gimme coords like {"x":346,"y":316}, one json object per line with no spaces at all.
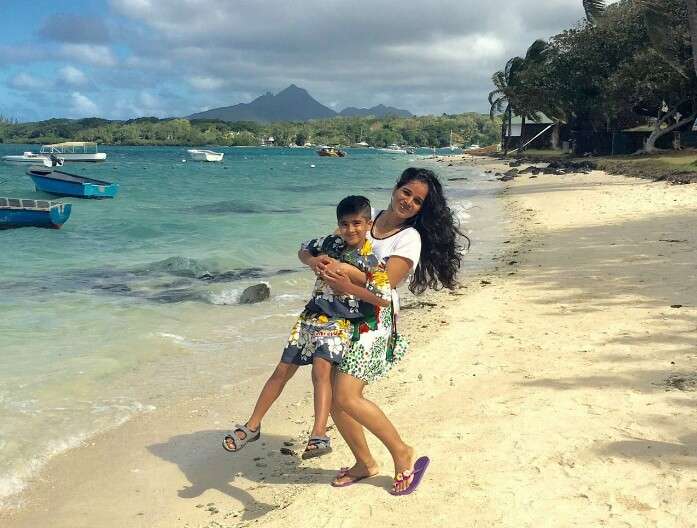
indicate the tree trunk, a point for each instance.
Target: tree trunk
{"x":508,"y":135}
{"x":659,"y":132}
{"x":692,"y":22}
{"x":521,"y":145}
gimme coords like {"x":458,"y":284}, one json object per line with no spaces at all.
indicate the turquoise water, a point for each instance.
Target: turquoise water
{"x":134,"y":301}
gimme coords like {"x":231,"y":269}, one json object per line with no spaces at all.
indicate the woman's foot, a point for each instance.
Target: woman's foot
{"x":359,"y":471}
{"x":403,"y":462}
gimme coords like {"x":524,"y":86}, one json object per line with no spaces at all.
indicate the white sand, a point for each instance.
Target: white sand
{"x":541,"y":398}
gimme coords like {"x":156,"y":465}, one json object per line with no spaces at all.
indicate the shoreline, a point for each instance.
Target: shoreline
{"x":550,"y":397}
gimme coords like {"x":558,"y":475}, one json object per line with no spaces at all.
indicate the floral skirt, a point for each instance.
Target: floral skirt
{"x":375,"y":347}
{"x":318,"y":335}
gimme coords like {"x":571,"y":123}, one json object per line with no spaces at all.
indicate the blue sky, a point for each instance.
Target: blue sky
{"x":121,"y":59}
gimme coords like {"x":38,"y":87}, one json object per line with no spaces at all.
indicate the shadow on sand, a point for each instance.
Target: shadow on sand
{"x":207,"y":466}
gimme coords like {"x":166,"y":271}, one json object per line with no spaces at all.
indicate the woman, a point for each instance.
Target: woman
{"x":417,"y":237}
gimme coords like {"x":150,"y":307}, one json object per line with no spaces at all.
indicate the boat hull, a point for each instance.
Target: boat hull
{"x":50,"y":215}
{"x":205,"y":155}
{"x":99,"y":156}
{"x":61,"y":183}
{"x":27,"y":159}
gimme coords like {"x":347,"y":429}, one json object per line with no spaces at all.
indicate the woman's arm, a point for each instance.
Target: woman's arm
{"x":322,"y":263}
{"x":341,"y":284}
{"x":397,"y":269}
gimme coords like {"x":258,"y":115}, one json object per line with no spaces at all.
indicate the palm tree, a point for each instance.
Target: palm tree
{"x":511,"y":93}
{"x":503,"y":97}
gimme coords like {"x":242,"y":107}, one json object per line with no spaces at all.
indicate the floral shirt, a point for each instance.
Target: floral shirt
{"x":324,"y":300}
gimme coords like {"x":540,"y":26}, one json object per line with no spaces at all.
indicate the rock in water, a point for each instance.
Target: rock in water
{"x":254,"y":294}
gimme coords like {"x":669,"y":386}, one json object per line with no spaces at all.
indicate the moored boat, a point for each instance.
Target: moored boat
{"x":47,"y":160}
{"x":74,"y":151}
{"x":331,"y":152}
{"x":395,"y":149}
{"x":65,"y":184}
{"x":22,"y":212}
{"x":205,"y":155}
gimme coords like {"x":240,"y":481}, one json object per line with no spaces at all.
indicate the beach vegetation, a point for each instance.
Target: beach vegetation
{"x":628,"y":66}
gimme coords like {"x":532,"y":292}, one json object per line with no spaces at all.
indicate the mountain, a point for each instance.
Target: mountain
{"x":376,"y":111}
{"x":291,"y":104}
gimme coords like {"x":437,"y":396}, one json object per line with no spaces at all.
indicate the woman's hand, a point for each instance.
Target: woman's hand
{"x":337,"y":280}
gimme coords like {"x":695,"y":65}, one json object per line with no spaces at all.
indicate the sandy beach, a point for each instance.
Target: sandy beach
{"x":557,"y":389}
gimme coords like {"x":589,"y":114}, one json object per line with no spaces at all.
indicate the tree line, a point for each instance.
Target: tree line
{"x":626,"y":64}
{"x":424,"y":131}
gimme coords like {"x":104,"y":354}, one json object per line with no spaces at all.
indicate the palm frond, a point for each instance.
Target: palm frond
{"x":594,"y":9}
{"x":537,"y":50}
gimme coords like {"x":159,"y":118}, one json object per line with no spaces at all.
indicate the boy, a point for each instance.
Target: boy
{"x":324,"y":330}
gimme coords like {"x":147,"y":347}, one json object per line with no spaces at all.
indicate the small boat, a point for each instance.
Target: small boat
{"x":20,"y":212}
{"x":205,"y":155}
{"x":65,"y":184}
{"x":74,"y":151}
{"x":395,"y":149}
{"x":46,"y":160}
{"x":331,"y":152}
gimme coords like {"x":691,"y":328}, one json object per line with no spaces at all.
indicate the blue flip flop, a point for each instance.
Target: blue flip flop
{"x":418,"y":472}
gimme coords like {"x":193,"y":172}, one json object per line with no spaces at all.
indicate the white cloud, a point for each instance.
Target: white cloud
{"x":206,"y":83}
{"x":89,"y":54}
{"x":25,"y":81}
{"x":83,"y":106}
{"x":466,"y":49}
{"x":72,"y":75}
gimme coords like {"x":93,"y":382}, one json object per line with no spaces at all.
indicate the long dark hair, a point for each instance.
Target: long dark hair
{"x":441,"y":251}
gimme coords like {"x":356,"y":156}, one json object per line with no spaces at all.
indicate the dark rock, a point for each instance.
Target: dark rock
{"x":682,"y":382}
{"x":235,"y":275}
{"x":417,"y":304}
{"x":254,"y":294}
{"x":287,"y":451}
{"x":179,"y":266}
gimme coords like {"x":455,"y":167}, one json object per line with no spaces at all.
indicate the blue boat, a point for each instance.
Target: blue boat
{"x":65,"y":184}
{"x":21,"y":212}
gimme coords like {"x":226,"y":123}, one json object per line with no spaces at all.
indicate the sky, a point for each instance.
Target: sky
{"x":121,"y":59}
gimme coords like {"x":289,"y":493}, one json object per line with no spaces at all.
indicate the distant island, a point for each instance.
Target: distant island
{"x":291,"y":104}
{"x":292,"y":117}
{"x":418,"y":131}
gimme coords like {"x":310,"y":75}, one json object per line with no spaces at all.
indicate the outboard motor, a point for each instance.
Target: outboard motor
{"x":56,"y":161}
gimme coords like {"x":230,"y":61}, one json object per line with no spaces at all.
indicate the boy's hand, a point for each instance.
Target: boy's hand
{"x":337,"y":281}
{"x":322,"y":263}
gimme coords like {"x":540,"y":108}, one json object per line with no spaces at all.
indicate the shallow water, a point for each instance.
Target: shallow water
{"x":134,"y":301}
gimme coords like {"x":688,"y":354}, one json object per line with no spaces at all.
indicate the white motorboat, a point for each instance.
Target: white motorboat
{"x":395,"y":149}
{"x":74,"y":151}
{"x":32,"y":157}
{"x":205,"y":155}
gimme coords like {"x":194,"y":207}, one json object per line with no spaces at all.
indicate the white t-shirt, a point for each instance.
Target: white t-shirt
{"x":405,"y":243}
